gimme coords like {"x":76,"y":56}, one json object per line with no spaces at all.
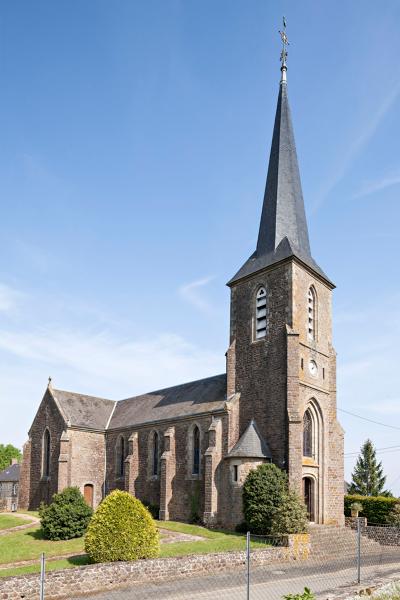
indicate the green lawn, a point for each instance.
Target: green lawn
{"x":29,"y":544}
{"x":7,"y":521}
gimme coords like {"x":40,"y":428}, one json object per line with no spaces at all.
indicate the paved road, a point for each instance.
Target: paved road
{"x":267,"y":583}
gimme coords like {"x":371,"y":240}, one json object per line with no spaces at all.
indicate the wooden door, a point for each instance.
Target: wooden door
{"x":308,"y":491}
{"x":88,"y":494}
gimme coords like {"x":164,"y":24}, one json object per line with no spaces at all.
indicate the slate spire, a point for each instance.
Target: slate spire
{"x":283,"y":228}
{"x":283,"y":213}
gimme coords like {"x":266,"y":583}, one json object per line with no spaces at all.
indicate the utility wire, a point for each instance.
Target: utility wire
{"x":390,"y":448}
{"x":369,"y":420}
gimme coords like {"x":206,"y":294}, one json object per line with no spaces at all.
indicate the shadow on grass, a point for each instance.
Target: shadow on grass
{"x":78,"y":560}
{"x":37,"y":534}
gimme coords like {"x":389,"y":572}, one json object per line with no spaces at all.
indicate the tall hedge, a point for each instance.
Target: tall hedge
{"x":121,"y":529}
{"x":66,"y":517}
{"x":375,"y":508}
{"x":264,"y":490}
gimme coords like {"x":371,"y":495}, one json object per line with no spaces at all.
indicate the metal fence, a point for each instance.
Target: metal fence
{"x":335,"y":559}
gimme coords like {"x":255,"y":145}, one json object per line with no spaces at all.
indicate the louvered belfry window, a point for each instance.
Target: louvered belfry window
{"x":311,"y":314}
{"x":261,"y":313}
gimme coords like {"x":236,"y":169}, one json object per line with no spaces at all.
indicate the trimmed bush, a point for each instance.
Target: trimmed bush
{"x":290,"y":516}
{"x":66,"y":517}
{"x":393,"y":517}
{"x":375,"y":508}
{"x":121,"y":529}
{"x":264,"y":491}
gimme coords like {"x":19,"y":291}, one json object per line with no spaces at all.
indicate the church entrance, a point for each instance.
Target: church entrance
{"x":308,"y":494}
{"x":88,"y":494}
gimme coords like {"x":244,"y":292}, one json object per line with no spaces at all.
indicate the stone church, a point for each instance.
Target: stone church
{"x":187,"y":449}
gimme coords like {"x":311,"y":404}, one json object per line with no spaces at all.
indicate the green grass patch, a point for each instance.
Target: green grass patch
{"x":8,"y":521}
{"x":28,"y":544}
{"x":34,"y":513}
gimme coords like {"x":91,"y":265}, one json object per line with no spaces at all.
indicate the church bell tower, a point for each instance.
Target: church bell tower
{"x":280,"y":359}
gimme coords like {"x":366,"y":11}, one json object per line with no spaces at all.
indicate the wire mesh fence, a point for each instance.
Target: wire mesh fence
{"x":327,"y":560}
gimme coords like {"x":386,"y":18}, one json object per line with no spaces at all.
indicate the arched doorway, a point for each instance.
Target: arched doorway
{"x":88,"y":494}
{"x":309,"y":497}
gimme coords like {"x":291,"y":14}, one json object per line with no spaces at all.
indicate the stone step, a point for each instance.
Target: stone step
{"x":331,"y":541}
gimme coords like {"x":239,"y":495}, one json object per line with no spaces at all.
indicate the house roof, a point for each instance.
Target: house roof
{"x":283,"y":229}
{"x":11,"y":473}
{"x":251,"y":444}
{"x":189,"y":399}
{"x":89,"y":412}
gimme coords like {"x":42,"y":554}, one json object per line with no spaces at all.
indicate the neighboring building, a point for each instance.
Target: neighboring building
{"x":9,"y":483}
{"x":189,"y":448}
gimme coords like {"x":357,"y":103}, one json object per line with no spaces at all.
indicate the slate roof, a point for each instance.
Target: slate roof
{"x":251,"y":444}
{"x":88,"y":412}
{"x":188,"y":399}
{"x":283,"y":228}
{"x":11,"y":473}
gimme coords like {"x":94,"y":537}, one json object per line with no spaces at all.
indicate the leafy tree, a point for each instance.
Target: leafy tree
{"x":66,"y":517}
{"x":290,"y":516}
{"x":7,"y":453}
{"x":367,"y":477}
{"x":121,"y":529}
{"x":264,"y":491}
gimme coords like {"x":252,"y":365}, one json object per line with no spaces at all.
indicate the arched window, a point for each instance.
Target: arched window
{"x":308,"y":434}
{"x":196,"y":451}
{"x":155,"y":454}
{"x":261,"y":314}
{"x":312,"y":313}
{"x":46,"y":453}
{"x":121,"y":455}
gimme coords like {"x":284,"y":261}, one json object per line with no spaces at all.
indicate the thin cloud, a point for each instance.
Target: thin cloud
{"x":191,"y":293}
{"x":359,"y":143}
{"x":9,"y":298}
{"x":377,"y":186}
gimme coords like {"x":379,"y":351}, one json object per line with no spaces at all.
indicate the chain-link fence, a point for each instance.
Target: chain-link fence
{"x":327,"y":560}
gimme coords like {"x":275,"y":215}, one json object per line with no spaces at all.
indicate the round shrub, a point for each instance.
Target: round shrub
{"x":66,"y":517}
{"x":263,"y":492}
{"x":290,"y":516}
{"x":121,"y":529}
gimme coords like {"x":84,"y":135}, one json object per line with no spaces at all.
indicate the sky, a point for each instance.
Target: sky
{"x":134,"y":143}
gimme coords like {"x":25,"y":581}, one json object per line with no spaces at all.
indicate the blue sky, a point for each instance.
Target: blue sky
{"x":133,"y":155}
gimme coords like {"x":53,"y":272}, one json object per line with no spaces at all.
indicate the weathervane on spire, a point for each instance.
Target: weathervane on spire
{"x":285,"y":44}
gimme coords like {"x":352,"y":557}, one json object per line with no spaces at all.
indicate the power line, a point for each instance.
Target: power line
{"x":378,"y":450}
{"x":369,"y":420}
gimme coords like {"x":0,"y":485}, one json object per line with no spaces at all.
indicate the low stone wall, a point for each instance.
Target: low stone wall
{"x":385,"y":535}
{"x":111,"y":576}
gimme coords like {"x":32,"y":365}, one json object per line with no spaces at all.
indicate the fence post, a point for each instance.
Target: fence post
{"x":358,"y":551}
{"x":42,"y":576}
{"x":248,"y":564}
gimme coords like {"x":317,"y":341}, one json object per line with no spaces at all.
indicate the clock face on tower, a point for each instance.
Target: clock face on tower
{"x":313,"y":368}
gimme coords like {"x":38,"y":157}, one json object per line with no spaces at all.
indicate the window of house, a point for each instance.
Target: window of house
{"x":261,"y":314}
{"x":311,"y":306}
{"x":307,"y":434}
{"x":121,"y":455}
{"x":155,"y":454}
{"x":196,"y":451}
{"x":46,"y":453}
{"x":235,"y":473}
{"x":14,"y":489}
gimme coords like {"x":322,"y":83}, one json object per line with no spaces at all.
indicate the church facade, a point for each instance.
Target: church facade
{"x":188,"y":449}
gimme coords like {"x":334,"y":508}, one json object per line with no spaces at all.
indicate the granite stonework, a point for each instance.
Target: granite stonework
{"x":100,"y":445}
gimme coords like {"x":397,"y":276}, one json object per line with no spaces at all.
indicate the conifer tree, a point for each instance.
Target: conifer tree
{"x":367,"y":477}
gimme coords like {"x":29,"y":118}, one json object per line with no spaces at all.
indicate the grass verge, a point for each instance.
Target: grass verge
{"x":8,"y":521}
{"x":29,"y":544}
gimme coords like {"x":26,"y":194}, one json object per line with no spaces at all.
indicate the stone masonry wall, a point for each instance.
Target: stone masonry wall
{"x":260,"y":366}
{"x":110,"y":576}
{"x":42,"y":488}
{"x":87,"y":461}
